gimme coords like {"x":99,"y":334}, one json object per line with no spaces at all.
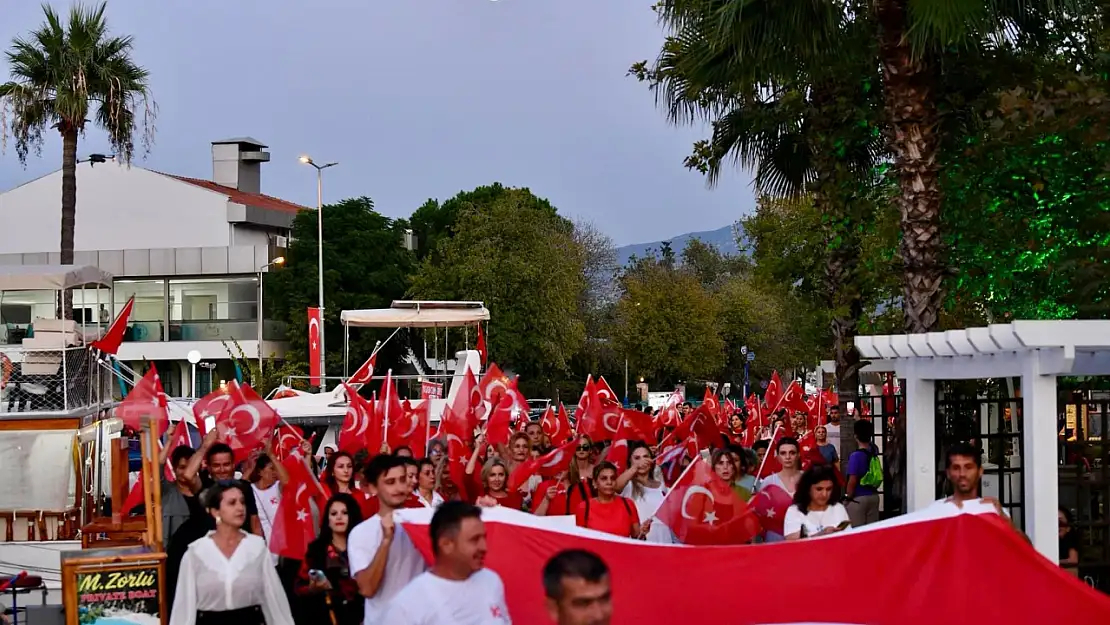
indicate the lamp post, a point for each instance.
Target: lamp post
{"x":277,"y":262}
{"x":307,"y":160}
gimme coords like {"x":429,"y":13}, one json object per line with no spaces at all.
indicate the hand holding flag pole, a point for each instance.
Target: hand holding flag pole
{"x":770,"y":451}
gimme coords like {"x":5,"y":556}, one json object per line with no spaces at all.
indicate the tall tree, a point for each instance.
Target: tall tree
{"x":365,"y":266}
{"x":527,"y":267}
{"x":667,"y":324}
{"x":59,"y":74}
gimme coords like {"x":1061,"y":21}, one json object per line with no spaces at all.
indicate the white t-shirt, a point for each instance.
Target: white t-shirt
{"x":434,"y":503}
{"x":267,"y":502}
{"x":834,"y":435}
{"x":404,"y":564}
{"x":646,"y":507}
{"x":975,"y":506}
{"x":432,"y":600}
{"x":815,"y":520}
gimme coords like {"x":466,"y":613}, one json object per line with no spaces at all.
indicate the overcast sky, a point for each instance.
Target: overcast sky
{"x":416,"y":99}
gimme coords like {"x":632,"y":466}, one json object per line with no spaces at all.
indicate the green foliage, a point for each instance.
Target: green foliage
{"x":1030,"y":225}
{"x":666,"y":324}
{"x":433,"y":222}
{"x":365,"y":266}
{"x":61,"y":70}
{"x":527,"y":267}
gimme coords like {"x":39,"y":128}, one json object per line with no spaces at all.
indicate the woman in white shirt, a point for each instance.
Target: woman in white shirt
{"x":426,"y":484}
{"x":641,"y":484}
{"x":817,"y":510}
{"x":227,"y":577}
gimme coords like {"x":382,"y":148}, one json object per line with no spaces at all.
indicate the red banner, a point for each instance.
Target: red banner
{"x":315,"y":323}
{"x":431,"y":390}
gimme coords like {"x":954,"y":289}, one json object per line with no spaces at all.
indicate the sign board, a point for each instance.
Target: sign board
{"x":431,"y":390}
{"x":743,"y":350}
{"x":109,"y":590}
{"x":751,"y":356}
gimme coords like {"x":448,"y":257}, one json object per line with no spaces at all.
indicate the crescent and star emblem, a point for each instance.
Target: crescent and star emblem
{"x":710,"y":516}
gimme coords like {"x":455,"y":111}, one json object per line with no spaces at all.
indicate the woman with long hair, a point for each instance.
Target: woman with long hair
{"x":324,"y":584}
{"x":609,"y":512}
{"x":817,"y":510}
{"x":561,"y":495}
{"x":212,"y":588}
{"x":495,"y":487}
{"x":583,"y":457}
{"x":642,"y":485}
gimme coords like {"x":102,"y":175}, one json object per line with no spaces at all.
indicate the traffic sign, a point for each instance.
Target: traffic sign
{"x":743,"y":350}
{"x":751,"y":356}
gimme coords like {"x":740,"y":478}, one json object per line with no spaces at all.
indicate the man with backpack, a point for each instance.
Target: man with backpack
{"x":865,"y":476}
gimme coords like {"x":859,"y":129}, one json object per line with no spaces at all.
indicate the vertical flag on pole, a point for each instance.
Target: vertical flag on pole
{"x":481,"y":345}
{"x":314,"y":330}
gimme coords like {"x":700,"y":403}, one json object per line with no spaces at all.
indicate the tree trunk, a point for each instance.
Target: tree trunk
{"x":913,"y":120}
{"x":69,"y":206}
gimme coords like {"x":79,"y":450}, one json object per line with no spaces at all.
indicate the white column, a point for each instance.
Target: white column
{"x":1039,"y":464}
{"x":921,"y":441}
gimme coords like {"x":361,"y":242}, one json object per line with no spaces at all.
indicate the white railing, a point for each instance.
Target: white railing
{"x":43,"y":382}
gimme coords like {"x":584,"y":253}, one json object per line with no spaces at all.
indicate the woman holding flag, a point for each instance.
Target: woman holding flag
{"x":641,"y":485}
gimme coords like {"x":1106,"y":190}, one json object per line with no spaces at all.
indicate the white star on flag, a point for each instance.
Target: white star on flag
{"x":231,"y":433}
{"x":710,"y":517}
{"x":770,"y":513}
{"x":302,"y":515}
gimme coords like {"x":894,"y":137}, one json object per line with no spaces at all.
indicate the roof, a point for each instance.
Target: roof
{"x":241,"y":141}
{"x":51,"y":277}
{"x":258,"y":200}
{"x":413,"y":314}
{"x":1064,"y":347}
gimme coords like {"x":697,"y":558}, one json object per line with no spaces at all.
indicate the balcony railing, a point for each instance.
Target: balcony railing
{"x":43,"y":382}
{"x":199,"y":330}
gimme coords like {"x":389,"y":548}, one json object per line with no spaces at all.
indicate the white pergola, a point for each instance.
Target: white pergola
{"x":1035,"y":351}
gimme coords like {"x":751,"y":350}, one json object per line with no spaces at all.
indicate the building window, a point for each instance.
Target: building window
{"x":213,"y":309}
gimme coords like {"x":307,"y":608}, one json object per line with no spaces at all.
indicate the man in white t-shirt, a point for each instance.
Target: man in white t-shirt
{"x":458,"y":590}
{"x":832,"y":428}
{"x":576,"y":583}
{"x":383,"y":559}
{"x":963,"y":465}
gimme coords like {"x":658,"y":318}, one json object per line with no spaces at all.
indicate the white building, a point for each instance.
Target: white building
{"x":189,"y":250}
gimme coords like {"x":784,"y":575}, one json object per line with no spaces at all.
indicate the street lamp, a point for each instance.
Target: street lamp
{"x":277,"y":262}
{"x":307,"y":160}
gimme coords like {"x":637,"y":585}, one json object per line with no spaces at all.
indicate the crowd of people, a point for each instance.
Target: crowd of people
{"x":361,"y":566}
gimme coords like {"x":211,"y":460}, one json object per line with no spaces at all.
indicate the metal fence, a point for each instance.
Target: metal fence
{"x":42,"y":382}
{"x":1084,"y":475}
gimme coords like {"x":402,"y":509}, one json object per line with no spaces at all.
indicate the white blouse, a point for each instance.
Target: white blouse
{"x":208,"y":581}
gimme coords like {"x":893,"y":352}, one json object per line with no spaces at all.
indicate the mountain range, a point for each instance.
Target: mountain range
{"x":724,"y":239}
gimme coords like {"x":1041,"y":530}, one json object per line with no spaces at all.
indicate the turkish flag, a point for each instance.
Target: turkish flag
{"x":639,"y":425}
{"x":556,"y":425}
{"x":247,"y":422}
{"x":793,"y":399}
{"x":770,"y":505}
{"x":365,"y":373}
{"x":211,"y":406}
{"x":359,"y":424}
{"x":499,"y":425}
{"x":293,"y":528}
{"x":146,"y":399}
{"x":389,"y":406}
{"x":481,"y":345}
{"x":315,"y":333}
{"x":550,"y":464}
{"x":410,"y":429}
{"x":773,"y":393}
{"x":702,"y":509}
{"x":113,"y":336}
{"x":288,"y":442}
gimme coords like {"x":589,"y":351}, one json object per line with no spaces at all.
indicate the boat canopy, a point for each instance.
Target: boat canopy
{"x":52,"y":277}
{"x":417,"y":314}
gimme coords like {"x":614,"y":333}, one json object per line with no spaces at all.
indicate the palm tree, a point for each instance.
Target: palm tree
{"x":788,"y":40}
{"x":59,"y":74}
{"x":803,"y":122}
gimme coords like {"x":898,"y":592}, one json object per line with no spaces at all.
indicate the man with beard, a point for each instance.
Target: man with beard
{"x":383,"y":559}
{"x":964,"y":467}
{"x":576,"y":584}
{"x":458,"y":590}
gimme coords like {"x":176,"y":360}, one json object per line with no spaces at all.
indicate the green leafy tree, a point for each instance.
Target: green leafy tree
{"x":435,"y":221}
{"x":667,"y":324}
{"x":365,"y":266}
{"x":64,"y":75}
{"x":528,"y":269}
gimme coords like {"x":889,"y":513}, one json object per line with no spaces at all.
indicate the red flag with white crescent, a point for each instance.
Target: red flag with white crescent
{"x":315,"y":330}
{"x":702,"y":509}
